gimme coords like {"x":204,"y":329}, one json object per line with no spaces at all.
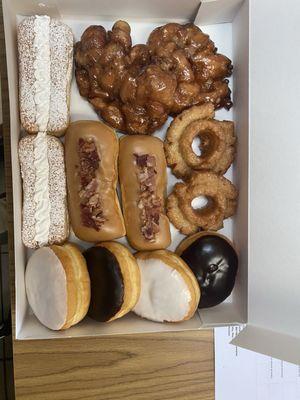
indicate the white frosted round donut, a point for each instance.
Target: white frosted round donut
{"x":169,"y":290}
{"x":58,"y":286}
{"x":48,"y":301}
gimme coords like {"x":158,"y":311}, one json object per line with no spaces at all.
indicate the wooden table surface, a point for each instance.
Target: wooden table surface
{"x":137,"y":367}
{"x":141,"y":367}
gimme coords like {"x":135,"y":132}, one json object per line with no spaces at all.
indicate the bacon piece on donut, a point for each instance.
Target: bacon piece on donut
{"x":150,"y":204}
{"x":91,"y":209}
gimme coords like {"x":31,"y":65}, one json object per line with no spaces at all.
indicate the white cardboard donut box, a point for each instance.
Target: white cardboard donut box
{"x":266,"y":227}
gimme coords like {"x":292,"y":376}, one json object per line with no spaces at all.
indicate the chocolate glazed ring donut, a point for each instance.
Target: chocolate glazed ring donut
{"x":220,"y":193}
{"x":217,"y":142}
{"x":214,"y":262}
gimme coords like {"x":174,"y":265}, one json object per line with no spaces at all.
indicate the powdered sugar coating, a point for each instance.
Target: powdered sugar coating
{"x":26,"y":151}
{"x":59,"y":230}
{"x":61,"y":56}
{"x":42,"y":84}
{"x":58,"y":191}
{"x":26,"y":75}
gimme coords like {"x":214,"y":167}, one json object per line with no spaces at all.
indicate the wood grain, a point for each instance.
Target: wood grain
{"x":137,"y":367}
{"x":155,"y":367}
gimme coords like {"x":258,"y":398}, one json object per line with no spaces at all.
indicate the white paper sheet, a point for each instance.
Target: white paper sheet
{"x":244,"y":375}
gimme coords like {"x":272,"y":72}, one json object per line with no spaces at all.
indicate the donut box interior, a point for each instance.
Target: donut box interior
{"x":227,"y":23}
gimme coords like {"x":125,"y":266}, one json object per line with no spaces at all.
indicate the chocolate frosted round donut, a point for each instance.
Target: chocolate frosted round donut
{"x":115,"y":281}
{"x":214,"y":262}
{"x":107,"y":285}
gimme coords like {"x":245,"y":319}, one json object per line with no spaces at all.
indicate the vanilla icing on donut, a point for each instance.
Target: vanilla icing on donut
{"x":41,"y":189}
{"x":46,"y":288}
{"x":165,"y":295}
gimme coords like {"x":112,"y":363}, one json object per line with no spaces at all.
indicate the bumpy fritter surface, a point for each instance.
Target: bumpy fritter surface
{"x":135,"y":88}
{"x":189,"y":54}
{"x":128,"y":92}
{"x":220,"y":193}
{"x":217,"y":142}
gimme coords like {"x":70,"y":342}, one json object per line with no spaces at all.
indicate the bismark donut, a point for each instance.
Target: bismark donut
{"x":58,"y":286}
{"x":221,"y":195}
{"x":169,"y":289}
{"x":115,"y":281}
{"x":217,"y":142}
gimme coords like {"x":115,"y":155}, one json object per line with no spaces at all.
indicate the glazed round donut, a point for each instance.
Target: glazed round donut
{"x":221,"y":197}
{"x":217,"y":142}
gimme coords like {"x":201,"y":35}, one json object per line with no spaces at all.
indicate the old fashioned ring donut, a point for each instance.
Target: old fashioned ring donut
{"x":221,"y":197}
{"x":217,"y":142}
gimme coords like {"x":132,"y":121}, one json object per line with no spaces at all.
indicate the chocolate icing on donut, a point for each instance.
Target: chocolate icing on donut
{"x":214,"y":263}
{"x":107,"y":285}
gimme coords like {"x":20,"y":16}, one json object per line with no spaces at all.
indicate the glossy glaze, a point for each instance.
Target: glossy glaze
{"x":214,"y":262}
{"x":107,"y":284}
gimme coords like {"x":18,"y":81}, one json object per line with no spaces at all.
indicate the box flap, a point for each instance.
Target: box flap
{"x":217,"y":11}
{"x":274,"y":212}
{"x":150,"y":10}
{"x":277,"y":345}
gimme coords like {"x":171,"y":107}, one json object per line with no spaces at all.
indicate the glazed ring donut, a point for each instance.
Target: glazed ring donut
{"x":220,"y":193}
{"x":217,"y":142}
